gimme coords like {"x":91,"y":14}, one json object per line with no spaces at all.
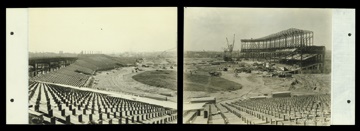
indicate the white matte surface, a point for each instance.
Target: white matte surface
{"x":17,"y":66}
{"x":343,"y":67}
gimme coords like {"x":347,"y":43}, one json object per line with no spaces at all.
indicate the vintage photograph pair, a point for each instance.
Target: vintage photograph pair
{"x":243,"y":66}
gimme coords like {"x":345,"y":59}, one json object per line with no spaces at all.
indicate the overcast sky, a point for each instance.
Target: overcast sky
{"x":207,"y":28}
{"x":102,"y":29}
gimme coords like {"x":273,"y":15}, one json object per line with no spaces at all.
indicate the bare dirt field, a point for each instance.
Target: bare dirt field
{"x":159,"y":78}
{"x":121,"y":79}
{"x":252,"y":84}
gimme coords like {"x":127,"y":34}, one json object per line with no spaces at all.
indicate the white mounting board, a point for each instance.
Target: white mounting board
{"x":343,"y":66}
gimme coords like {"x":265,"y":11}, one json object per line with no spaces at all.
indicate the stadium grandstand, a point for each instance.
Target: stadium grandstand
{"x":76,"y":72}
{"x":291,"y":47}
{"x":64,"y":105}
{"x":282,"y":82}
{"x":305,"y":110}
{"x":60,"y":93}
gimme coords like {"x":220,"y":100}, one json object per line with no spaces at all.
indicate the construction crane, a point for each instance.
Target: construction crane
{"x":228,"y":51}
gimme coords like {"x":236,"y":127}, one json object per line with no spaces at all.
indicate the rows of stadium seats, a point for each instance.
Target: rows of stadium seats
{"x":301,"y":110}
{"x":31,"y":83}
{"x":32,"y":87}
{"x":85,"y":64}
{"x":63,"y":76}
{"x":63,"y":105}
{"x":124,"y":60}
{"x":101,"y":62}
{"x":77,"y":73}
{"x":102,"y":58}
{"x":73,"y":74}
{"x":81,"y":69}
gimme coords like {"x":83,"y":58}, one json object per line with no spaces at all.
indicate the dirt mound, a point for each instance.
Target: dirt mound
{"x":312,"y":82}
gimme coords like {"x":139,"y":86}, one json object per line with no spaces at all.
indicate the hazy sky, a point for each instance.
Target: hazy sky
{"x":102,"y":29}
{"x":207,"y":28}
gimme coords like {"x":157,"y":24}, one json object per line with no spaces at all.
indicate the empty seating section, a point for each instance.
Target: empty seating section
{"x":79,"y":72}
{"x":81,"y":69}
{"x":32,"y":87}
{"x":124,"y":60}
{"x":63,"y":76}
{"x":101,"y":62}
{"x":31,"y":82}
{"x":301,"y":110}
{"x":63,"y":105}
{"x":85,"y":64}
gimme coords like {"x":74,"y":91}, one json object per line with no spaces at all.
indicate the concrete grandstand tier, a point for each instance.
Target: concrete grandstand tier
{"x":75,"y":71}
{"x":75,"y":106}
{"x":301,"y":110}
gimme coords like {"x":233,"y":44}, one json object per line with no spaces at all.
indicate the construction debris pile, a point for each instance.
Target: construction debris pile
{"x":264,"y":69}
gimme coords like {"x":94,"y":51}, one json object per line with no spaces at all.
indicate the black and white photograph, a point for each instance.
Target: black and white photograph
{"x":108,"y":65}
{"x":257,"y":66}
{"x":102,"y":65}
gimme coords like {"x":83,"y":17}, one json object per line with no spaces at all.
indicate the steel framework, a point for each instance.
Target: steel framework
{"x":290,"y":38}
{"x":291,"y":46}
